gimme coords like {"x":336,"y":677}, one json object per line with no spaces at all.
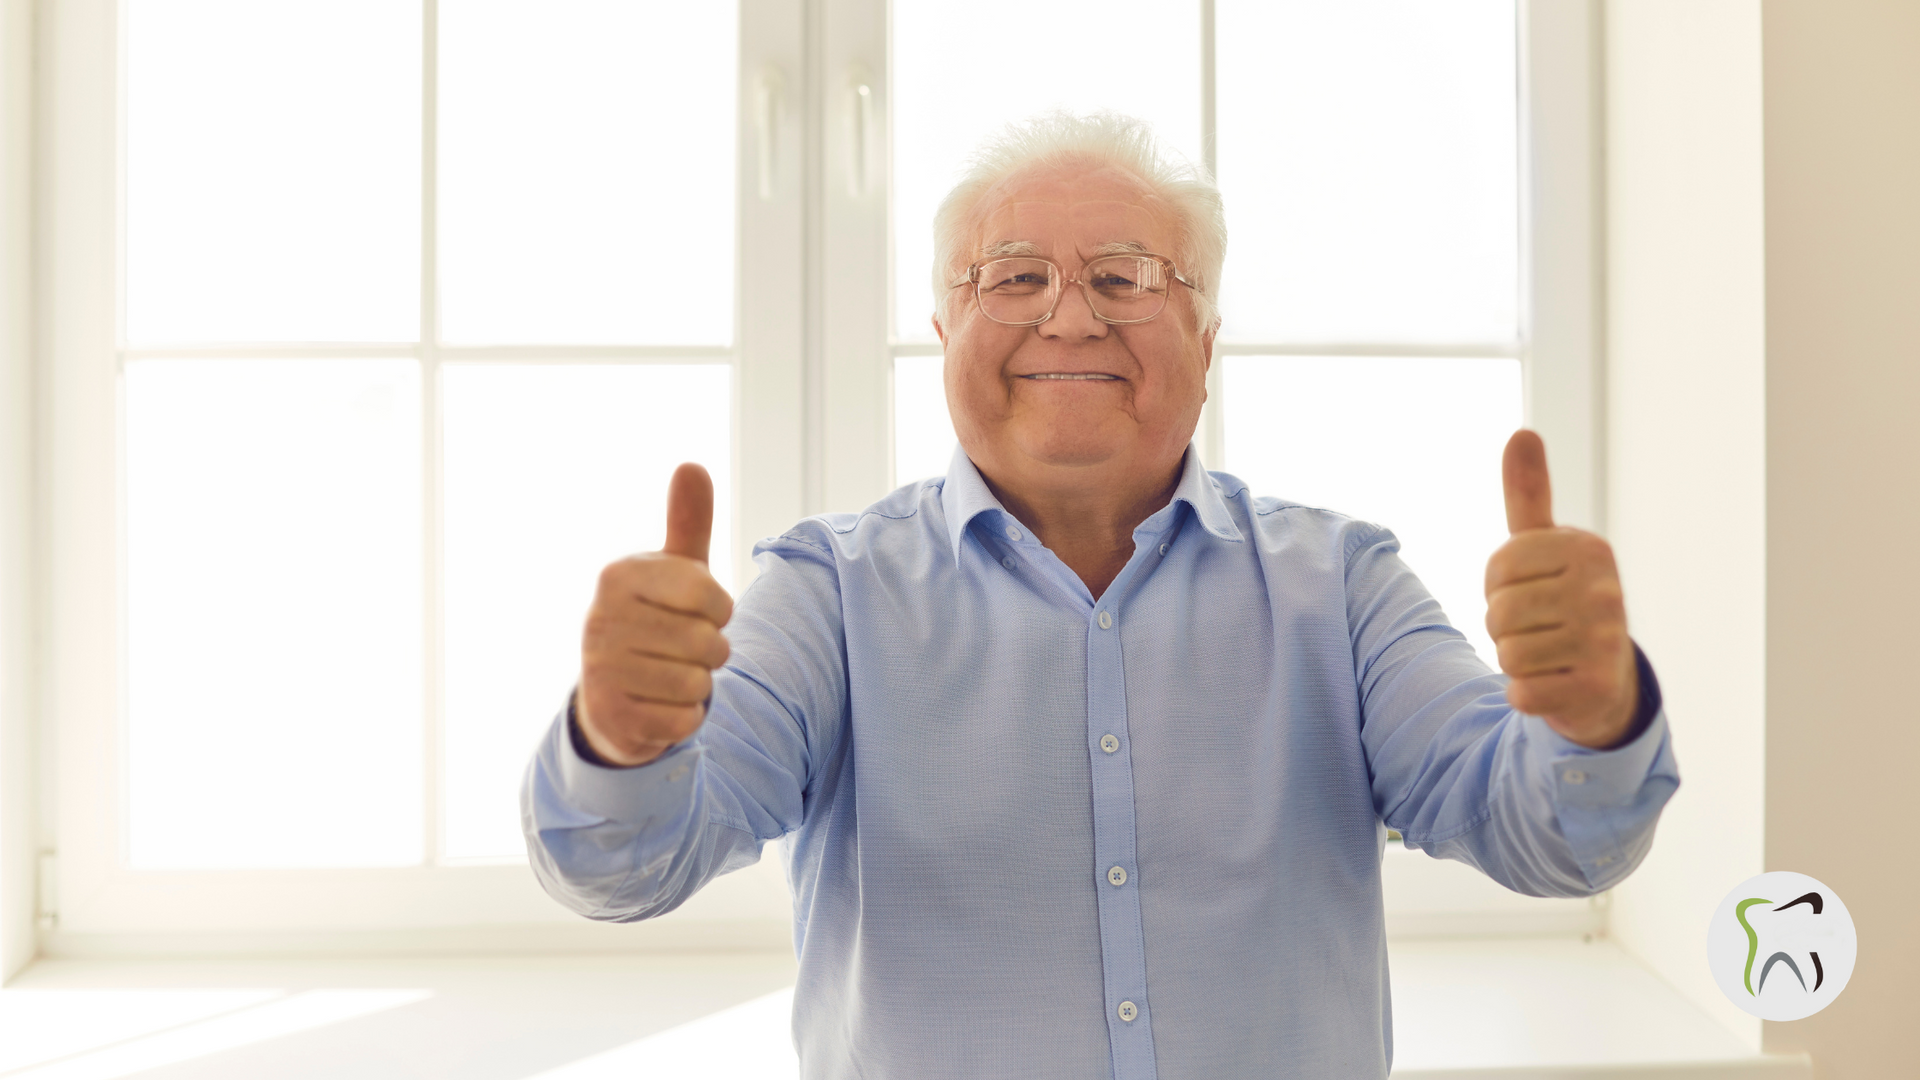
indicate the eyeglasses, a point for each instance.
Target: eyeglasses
{"x":1121,"y":289}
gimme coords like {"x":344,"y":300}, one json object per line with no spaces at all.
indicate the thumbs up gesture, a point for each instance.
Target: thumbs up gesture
{"x":653,"y":636}
{"x":1556,"y":613}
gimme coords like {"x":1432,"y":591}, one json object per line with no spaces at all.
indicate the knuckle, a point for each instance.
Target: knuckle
{"x":1499,"y":561}
{"x":1509,"y":652}
{"x":654,"y":720}
{"x":697,"y":636}
{"x":690,"y":682}
{"x":598,"y":628}
{"x":671,"y":723}
{"x":593,"y":673}
{"x":1499,"y":609}
{"x":1520,"y":695}
{"x":615,"y":577}
{"x":702,"y":684}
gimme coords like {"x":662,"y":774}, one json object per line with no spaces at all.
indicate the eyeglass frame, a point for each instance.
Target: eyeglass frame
{"x":973,"y":278}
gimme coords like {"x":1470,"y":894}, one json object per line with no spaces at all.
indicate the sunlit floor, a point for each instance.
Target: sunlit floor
{"x":1550,"y":1009}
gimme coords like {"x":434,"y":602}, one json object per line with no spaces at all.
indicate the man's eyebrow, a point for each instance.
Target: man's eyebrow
{"x":1001,"y":249}
{"x":1005,"y":248}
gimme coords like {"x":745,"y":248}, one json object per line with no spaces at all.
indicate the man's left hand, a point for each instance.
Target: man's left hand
{"x":1556,"y":613}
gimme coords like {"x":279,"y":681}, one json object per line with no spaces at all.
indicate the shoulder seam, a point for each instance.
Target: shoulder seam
{"x":1371,"y":534}
{"x":865,"y":514}
{"x":1301,"y":506}
{"x":803,"y":542}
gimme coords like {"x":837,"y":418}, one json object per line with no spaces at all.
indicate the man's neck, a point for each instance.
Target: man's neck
{"x":1086,"y":522}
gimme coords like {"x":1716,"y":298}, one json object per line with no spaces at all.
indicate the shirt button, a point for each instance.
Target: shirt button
{"x":1574,"y":776}
{"x":1109,"y":743}
{"x":1128,"y":1012}
{"x":1007,"y":562}
{"x":1117,"y":875}
{"x":1163,"y":549}
{"x":1013,"y":533}
{"x":1106,"y":621}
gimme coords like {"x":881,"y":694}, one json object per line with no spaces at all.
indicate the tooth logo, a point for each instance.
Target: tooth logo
{"x":1781,"y":946}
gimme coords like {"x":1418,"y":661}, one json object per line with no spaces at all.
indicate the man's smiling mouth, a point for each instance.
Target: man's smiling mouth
{"x":1081,"y":376}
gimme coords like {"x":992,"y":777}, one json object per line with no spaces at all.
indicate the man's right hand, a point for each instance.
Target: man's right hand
{"x":653,"y":636}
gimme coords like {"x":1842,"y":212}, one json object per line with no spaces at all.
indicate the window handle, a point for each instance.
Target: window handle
{"x":860,"y":105}
{"x":768,"y":91}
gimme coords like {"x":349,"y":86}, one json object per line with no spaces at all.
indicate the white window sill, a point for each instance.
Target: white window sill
{"x":1516,"y":1009}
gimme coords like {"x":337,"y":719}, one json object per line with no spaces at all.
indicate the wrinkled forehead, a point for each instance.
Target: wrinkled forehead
{"x":1063,"y":228}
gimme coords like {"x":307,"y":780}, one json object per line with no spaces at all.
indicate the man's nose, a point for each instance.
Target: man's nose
{"x":1073,"y":318}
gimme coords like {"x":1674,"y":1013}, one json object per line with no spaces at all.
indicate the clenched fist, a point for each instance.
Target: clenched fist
{"x":653,"y":636}
{"x":1556,"y":613}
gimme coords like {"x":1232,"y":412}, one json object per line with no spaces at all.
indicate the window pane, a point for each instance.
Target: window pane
{"x":273,"y":607}
{"x":923,"y":437}
{"x":587,"y":171}
{"x":551,"y":473}
{"x":273,"y":171}
{"x":963,"y":71}
{"x":1368,"y":158}
{"x":1410,"y":443}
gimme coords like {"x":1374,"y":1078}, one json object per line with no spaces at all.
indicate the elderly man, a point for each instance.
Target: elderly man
{"x":1087,"y":754}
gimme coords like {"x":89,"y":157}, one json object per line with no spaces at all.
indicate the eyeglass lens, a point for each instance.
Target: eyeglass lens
{"x":1121,"y":288}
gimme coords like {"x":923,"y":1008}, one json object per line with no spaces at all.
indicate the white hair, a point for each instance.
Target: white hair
{"x":1094,"y":140}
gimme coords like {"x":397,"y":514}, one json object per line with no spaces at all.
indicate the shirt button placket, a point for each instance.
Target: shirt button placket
{"x":1122,"y":942}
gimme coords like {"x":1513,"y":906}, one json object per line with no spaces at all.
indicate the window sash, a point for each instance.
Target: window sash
{"x":812,"y":420}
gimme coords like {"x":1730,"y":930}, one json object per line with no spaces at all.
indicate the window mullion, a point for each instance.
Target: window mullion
{"x":854,"y":262}
{"x":1213,"y":427}
{"x":433,"y":696}
{"x":1561,"y":304}
{"x":770,"y":463}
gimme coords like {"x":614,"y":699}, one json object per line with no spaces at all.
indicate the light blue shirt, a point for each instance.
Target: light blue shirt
{"x":1039,"y":834}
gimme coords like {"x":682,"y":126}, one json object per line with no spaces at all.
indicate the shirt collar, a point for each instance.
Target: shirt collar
{"x":965,"y":496}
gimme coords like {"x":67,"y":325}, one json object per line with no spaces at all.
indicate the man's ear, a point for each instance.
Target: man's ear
{"x":939,"y":331}
{"x":1206,"y":347}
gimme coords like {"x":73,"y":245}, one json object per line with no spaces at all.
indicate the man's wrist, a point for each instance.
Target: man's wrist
{"x":583,"y":745}
{"x":1646,"y":701}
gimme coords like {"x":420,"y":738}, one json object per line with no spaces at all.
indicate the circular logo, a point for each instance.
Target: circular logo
{"x":1781,"y":946}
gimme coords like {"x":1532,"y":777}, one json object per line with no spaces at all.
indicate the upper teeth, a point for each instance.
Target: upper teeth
{"x":1064,"y":375}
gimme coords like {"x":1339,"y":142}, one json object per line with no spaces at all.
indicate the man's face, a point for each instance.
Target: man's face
{"x":1138,"y":391}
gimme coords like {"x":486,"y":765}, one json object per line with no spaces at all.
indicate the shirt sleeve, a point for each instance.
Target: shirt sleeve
{"x":1462,"y":775}
{"x":622,"y":844}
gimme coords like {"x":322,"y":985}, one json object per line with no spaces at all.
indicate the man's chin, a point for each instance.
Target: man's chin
{"x":1075,"y":450}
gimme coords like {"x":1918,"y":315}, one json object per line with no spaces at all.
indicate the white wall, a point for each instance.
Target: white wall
{"x":17,"y":846}
{"x":1842,"y":85}
{"x":1686,"y":447}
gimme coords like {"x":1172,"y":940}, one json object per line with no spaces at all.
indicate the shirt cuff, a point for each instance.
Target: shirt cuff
{"x":662,"y":789}
{"x":1608,"y":800}
{"x":1648,"y":706}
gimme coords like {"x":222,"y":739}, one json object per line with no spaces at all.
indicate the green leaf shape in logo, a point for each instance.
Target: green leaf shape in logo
{"x":1753,"y":939}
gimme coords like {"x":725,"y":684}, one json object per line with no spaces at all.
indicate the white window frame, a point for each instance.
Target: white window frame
{"x":103,"y":906}
{"x":812,"y":421}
